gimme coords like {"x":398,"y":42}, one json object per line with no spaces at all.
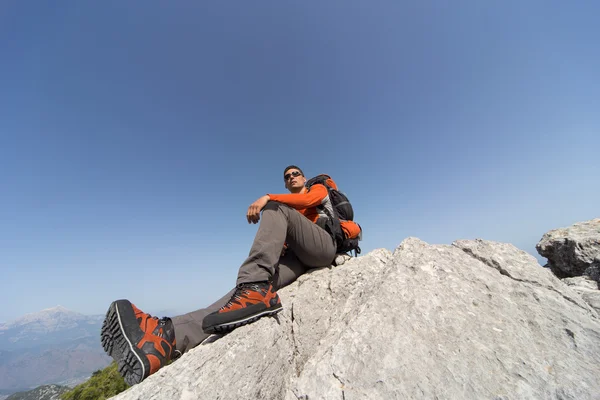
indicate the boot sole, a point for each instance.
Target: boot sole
{"x":231,"y":325}
{"x":119,"y":346}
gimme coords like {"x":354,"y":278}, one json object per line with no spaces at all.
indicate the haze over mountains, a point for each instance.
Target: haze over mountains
{"x":47,"y":326}
{"x":55,"y":345}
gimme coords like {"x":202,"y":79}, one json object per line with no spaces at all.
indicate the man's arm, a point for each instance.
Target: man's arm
{"x":298,"y":201}
{"x":253,"y":214}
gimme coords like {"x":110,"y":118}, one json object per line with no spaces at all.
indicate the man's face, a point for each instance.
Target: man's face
{"x":294,"y":180}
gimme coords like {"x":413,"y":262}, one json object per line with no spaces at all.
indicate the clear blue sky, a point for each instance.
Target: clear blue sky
{"x":134,"y":135}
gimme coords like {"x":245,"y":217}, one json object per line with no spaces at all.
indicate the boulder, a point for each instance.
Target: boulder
{"x":573,"y":251}
{"x":471,"y":320}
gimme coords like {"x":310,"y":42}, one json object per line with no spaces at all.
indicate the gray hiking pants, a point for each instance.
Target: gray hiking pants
{"x":309,"y":246}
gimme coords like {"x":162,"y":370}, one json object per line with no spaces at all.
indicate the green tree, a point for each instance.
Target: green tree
{"x":102,"y":385}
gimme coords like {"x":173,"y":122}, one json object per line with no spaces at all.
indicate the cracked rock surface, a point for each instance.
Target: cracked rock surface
{"x":471,"y":320}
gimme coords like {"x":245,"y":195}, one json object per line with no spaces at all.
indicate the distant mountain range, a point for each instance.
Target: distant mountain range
{"x":50,"y":326}
{"x":46,"y":392}
{"x":53,"y":346}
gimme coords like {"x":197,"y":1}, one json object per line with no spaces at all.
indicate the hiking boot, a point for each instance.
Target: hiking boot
{"x":140,"y":343}
{"x":249,"y":302}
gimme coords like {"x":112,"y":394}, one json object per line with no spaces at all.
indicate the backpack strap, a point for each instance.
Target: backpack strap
{"x":332,"y":225}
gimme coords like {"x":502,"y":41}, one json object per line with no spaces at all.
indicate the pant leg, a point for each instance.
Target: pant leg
{"x":288,"y":270}
{"x":188,"y":327}
{"x":281,"y":224}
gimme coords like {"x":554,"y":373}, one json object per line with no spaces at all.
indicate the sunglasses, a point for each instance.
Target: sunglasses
{"x":291,"y":174}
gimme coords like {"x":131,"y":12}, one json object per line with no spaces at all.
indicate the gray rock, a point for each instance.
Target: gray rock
{"x":573,"y":251}
{"x":587,"y":289}
{"x":472,"y":320}
{"x":593,"y":271}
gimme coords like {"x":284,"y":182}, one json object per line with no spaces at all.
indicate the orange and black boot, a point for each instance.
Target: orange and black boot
{"x":140,"y":343}
{"x":249,"y":302}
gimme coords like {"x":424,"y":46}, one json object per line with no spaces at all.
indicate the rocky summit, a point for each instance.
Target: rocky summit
{"x":471,"y":320}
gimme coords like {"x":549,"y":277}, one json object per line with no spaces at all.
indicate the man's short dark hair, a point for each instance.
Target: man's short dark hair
{"x":291,"y":167}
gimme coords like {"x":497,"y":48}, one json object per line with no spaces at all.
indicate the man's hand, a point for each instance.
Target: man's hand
{"x":253,"y":214}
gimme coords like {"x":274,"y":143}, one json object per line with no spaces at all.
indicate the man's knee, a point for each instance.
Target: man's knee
{"x":272,"y":205}
{"x":277,"y":206}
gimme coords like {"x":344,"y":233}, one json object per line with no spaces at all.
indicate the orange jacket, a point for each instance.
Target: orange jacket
{"x":306,"y":203}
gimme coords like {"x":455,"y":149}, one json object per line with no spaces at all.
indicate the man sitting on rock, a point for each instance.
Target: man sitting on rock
{"x":142,"y":344}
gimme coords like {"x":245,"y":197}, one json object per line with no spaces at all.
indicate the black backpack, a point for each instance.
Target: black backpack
{"x":342,"y":211}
